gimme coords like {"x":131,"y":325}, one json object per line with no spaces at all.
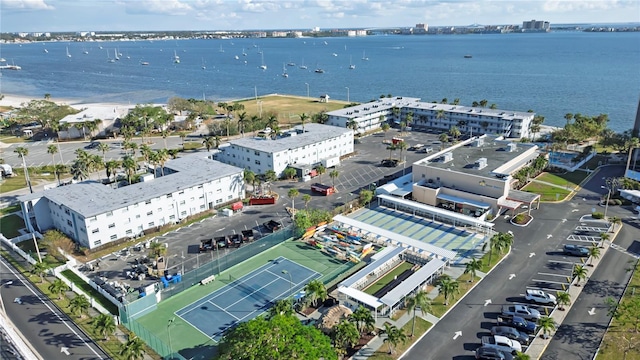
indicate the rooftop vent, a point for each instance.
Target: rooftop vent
{"x":481,"y":163}
{"x":446,"y":157}
{"x":511,"y":147}
{"x":479,"y":142}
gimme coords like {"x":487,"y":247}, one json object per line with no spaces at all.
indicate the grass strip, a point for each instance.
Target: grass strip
{"x":91,"y":291}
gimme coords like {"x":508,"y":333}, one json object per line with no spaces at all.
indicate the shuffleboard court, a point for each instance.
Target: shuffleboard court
{"x":247,"y":297}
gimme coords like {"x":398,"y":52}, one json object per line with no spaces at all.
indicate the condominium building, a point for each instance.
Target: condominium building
{"x":309,"y":145}
{"x":536,"y":26}
{"x":439,"y":117}
{"x":93,"y":214}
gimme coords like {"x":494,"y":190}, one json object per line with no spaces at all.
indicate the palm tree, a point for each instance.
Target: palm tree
{"x":242,"y":120}
{"x":363,"y":319}
{"x":385,"y":127}
{"x":80,"y":169}
{"x":472,"y":267}
{"x":130,"y":166}
{"x":132,"y":349}
{"x":594,"y":253}
{"x":157,"y":249}
{"x":315,"y":291}
{"x":603,"y":237}
{"x":418,"y":300}
{"x":394,"y":336}
{"x":547,"y":324}
{"x":208,"y":142}
{"x":60,"y":169}
{"x":521,"y":356}
{"x":391,"y":148}
{"x":563,"y":298}
{"x":307,"y":199}
{"x":455,"y":132}
{"x":79,"y":305}
{"x":615,"y":220}
{"x":130,"y":145}
{"x":39,"y":269}
{"x":249,"y":178}
{"x":163,"y":156}
{"x":580,"y":273}
{"x":303,"y":119}
{"x":498,"y":242}
{"x":320,"y":170}
{"x":333,"y":174}
{"x":281,"y":307}
{"x":345,"y":335}
{"x":292,"y":194}
{"x":111,"y":166}
{"x":22,"y":153}
{"x":58,"y":287}
{"x":448,"y":287}
{"x":183,"y":135}
{"x":53,"y":150}
{"x":103,"y":147}
{"x":104,"y":325}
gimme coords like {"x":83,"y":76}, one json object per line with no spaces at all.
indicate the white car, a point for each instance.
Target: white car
{"x":540,"y":297}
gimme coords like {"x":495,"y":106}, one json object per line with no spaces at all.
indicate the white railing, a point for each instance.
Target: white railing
{"x":96,"y":305}
{"x":16,"y":249}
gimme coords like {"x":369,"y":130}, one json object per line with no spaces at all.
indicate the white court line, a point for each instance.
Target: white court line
{"x":233,"y":316}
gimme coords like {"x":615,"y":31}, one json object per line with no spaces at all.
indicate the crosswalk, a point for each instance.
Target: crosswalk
{"x":623,"y":250}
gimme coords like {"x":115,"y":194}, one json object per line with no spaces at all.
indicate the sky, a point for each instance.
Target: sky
{"x":155,"y":15}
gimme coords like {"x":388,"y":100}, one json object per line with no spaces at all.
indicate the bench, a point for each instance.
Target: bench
{"x":207,"y":280}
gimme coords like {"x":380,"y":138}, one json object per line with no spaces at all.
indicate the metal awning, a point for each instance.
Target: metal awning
{"x":522,"y":196}
{"x":460,"y":200}
{"x":361,"y":296}
{"x":412,"y":282}
{"x":509,"y":204}
{"x":388,"y":255}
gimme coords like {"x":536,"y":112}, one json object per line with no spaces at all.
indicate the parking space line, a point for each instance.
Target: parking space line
{"x":548,"y":274}
{"x":550,"y":282}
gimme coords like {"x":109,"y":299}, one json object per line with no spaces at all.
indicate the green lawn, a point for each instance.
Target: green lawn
{"x":383,"y":281}
{"x":570,"y":179}
{"x":18,"y":182}
{"x":9,"y":209}
{"x":10,"y":224}
{"x":547,"y":192}
{"x":90,"y":291}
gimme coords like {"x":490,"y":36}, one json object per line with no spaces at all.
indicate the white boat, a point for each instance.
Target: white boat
{"x":176,"y":58}
{"x":221,"y":49}
{"x":319,"y":70}
{"x":303,"y":66}
{"x":45,"y":51}
{"x":144,"y":63}
{"x":364,"y":56}
{"x":115,"y":52}
{"x":119,"y":53}
{"x":203,"y":66}
{"x":84,"y":51}
{"x":9,"y":67}
{"x":109,"y":59}
{"x":263,"y":66}
{"x":334,"y":54}
{"x":244,"y":53}
{"x":284,"y":71}
{"x":3,"y":60}
{"x":68,"y":55}
{"x":351,"y":66}
{"x":237,"y":57}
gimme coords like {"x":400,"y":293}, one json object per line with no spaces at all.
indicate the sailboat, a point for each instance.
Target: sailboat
{"x":244,"y":53}
{"x":84,"y":51}
{"x":109,"y":59}
{"x":46,"y":51}
{"x":364,"y":57}
{"x":284,"y":71}
{"x":68,"y":55}
{"x":221,"y":49}
{"x":263,"y":66}
{"x":351,"y":66}
{"x":303,"y":66}
{"x":176,"y":58}
{"x":115,"y":52}
{"x":319,"y":70}
{"x":203,"y":66}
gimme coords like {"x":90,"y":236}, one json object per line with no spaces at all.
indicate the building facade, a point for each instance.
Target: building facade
{"x":310,"y":145}
{"x":93,"y":214}
{"x":536,"y":26}
{"x":440,"y":117}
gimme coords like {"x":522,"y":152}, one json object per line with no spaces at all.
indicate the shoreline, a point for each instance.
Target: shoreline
{"x":16,"y":101}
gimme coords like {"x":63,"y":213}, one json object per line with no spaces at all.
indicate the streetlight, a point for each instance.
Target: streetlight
{"x":169,"y":331}
{"x":307,"y":89}
{"x":290,"y":282}
{"x":346,"y":87}
{"x":610,"y":183}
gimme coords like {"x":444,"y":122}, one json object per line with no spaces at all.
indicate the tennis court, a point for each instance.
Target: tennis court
{"x":245,"y":298}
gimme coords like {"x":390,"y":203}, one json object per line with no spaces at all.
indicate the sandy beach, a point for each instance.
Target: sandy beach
{"x":16,"y":101}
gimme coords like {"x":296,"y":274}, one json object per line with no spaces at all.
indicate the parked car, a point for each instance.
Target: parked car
{"x":390,"y":162}
{"x":522,"y":311}
{"x":490,"y":353}
{"x":92,"y":145}
{"x":502,"y":343}
{"x":540,"y":297}
{"x":518,"y":323}
{"x":511,"y":333}
{"x":272,"y":225}
{"x":576,"y":250}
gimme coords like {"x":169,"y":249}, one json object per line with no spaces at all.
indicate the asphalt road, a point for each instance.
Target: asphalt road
{"x":48,"y":330}
{"x":536,"y":261}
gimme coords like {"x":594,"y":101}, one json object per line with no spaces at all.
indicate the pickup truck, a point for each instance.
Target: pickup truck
{"x":518,"y":323}
{"x":521,"y":310}
{"x":502,"y":342}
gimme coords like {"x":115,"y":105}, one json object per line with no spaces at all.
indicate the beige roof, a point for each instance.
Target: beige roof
{"x":333,"y":316}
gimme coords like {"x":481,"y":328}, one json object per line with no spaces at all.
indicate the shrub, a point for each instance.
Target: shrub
{"x":519,"y":218}
{"x":618,"y":202}
{"x":597,"y":215}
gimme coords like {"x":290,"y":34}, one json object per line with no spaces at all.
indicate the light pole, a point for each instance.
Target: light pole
{"x":610,"y":184}
{"x":346,"y":87}
{"x":307,"y":89}
{"x":606,"y":204}
{"x":169,"y":331}
{"x":290,"y":282}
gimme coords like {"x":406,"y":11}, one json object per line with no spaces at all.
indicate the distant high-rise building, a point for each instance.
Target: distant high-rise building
{"x":636,"y":125}
{"x":535,"y":26}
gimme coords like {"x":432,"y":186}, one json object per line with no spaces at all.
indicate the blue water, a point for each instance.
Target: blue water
{"x":552,"y":74}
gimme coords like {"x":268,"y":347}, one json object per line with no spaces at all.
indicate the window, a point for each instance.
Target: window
{"x":257,"y":153}
{"x":183,"y":213}
{"x":113,"y":237}
{"x":149,"y":213}
{"x":230,"y":197}
{"x":138,"y":216}
{"x":95,"y":231}
{"x":218,"y":201}
{"x":169,"y":196}
{"x":192,"y":198}
{"x":218,"y":191}
{"x":151,"y":224}
{"x":66,"y":211}
{"x":172,"y":217}
{"x":201,"y":197}
{"x":159,"y":209}
{"x":200,"y":187}
{"x":257,"y":162}
{"x":112,"y":225}
{"x":148,"y":202}
{"x":129,"y":232}
{"x":181,"y":192}
{"x":97,"y":242}
{"x":93,"y":219}
{"x":201,"y":207}
{"x":69,"y":223}
{"x":110,"y":213}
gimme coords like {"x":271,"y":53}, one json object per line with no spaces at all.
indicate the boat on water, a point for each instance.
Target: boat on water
{"x":11,"y":66}
{"x":284,"y":71}
{"x":351,"y":66}
{"x":203,"y":65}
{"x":84,"y":51}
{"x":221,"y":49}
{"x":109,"y":59}
{"x":319,"y":70}
{"x":3,"y":60}
{"x":244,"y":53}
{"x":302,"y":65}
{"x":144,"y":63}
{"x":263,"y":66}
{"x":334,"y":54}
{"x":237,"y":57}
{"x":468,"y":56}
{"x":45,"y":51}
{"x":176,"y":58}
{"x":68,"y":55}
{"x":364,"y":56}
{"x":115,"y":52}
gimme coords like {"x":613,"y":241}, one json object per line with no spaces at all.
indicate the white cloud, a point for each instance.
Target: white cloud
{"x":164,"y":7}
{"x":26,"y":5}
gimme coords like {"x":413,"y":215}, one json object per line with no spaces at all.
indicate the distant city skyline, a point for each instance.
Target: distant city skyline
{"x":193,"y":15}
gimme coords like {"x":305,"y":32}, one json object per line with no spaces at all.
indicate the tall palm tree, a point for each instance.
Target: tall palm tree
{"x":307,"y":199}
{"x":183,"y":135}
{"x":391,"y":148}
{"x":455,"y":132}
{"x":315,"y":291}
{"x":303,"y":119}
{"x":130,"y":166}
{"x":103,"y":148}
{"x":53,"y":150}
{"x":157,"y":249}
{"x":603,"y":237}
{"x":320,"y":170}
{"x":385,"y":127}
{"x":22,"y":153}
{"x":563,"y":298}
{"x":401,"y":146}
{"x":58,"y":287}
{"x":111,"y":167}
{"x":130,"y":145}
{"x":615,"y":221}
{"x":594,"y":253}
{"x":363,"y":319}
{"x":580,"y":273}
{"x":80,"y":169}
{"x":394,"y":336}
{"x":333,"y":174}
{"x":418,"y":300}
{"x":281,"y":307}
{"x":79,"y":305}
{"x":472,"y":267}
{"x":242,"y":121}
{"x":345,"y":335}
{"x":104,"y":325}
{"x":292,"y":194}
{"x":249,"y":178}
{"x":132,"y":349}
{"x":208,"y":142}
{"x":163,"y":156}
{"x":448,"y":287}
{"x":547,"y":325}
{"x":60,"y":169}
{"x":39,"y":269}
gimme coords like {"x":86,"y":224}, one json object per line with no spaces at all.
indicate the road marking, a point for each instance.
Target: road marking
{"x":487,"y":302}
{"x":457,"y":334}
{"x":575,"y":210}
{"x":549,"y":274}
{"x":65,"y":350}
{"x":532,"y":255}
{"x":592,"y":311}
{"x":564,"y":220}
{"x":549,"y":282}
{"x":549,"y":236}
{"x":511,"y":276}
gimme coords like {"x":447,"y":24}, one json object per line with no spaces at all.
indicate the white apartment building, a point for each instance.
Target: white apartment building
{"x":310,"y":146}
{"x":440,"y":117}
{"x":93,"y":214}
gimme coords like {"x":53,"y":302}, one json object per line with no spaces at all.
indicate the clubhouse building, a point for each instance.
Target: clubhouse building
{"x":434,"y":117}
{"x":93,"y":214}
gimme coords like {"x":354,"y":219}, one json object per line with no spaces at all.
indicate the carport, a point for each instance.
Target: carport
{"x":525,"y":198}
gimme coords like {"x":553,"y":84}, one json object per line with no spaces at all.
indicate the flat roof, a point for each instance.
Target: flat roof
{"x":91,"y":198}
{"x":388,"y":255}
{"x":522,"y":196}
{"x":361,"y":296}
{"x":102,"y":112}
{"x":412,"y":282}
{"x":493,"y":149}
{"x":381,"y":104}
{"x":314,"y":133}
{"x":460,"y":200}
